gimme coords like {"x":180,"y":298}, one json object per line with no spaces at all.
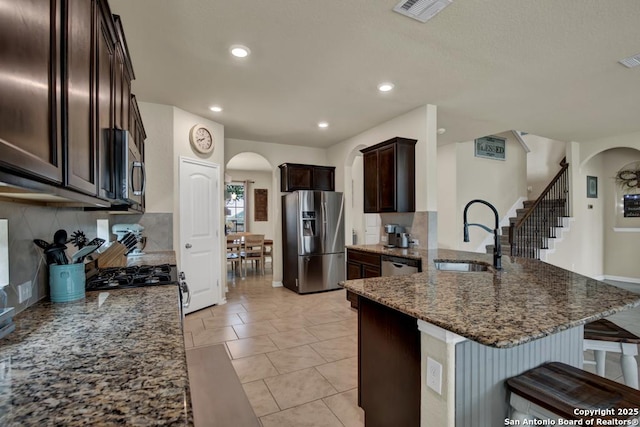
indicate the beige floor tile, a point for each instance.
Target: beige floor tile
{"x":293,"y":338}
{"x":332,"y":330}
{"x":343,"y":374}
{"x":337,"y":348}
{"x":294,"y":359}
{"x":193,"y":324}
{"x":254,"y":368}
{"x":257,"y":316}
{"x":259,"y":306}
{"x":345,"y":407}
{"x":188,"y":340}
{"x":251,"y":346}
{"x":200,"y":314}
{"x":299,"y":387}
{"x":227,"y":308}
{"x":260,"y":398}
{"x":254,"y":329}
{"x":314,"y":414}
{"x":218,"y":322}
{"x":213,"y":336}
{"x":289,"y":323}
{"x":324,"y":317}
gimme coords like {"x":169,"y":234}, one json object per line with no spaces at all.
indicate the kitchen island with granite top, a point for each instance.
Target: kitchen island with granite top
{"x":477,"y":329}
{"x":113,"y":358}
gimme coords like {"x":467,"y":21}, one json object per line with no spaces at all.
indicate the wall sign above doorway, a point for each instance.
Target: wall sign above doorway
{"x":491,"y":147}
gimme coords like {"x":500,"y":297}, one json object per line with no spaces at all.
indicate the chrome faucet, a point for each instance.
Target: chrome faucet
{"x":497,"y":250}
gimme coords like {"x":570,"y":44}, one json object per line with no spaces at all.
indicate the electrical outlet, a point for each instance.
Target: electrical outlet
{"x":416,"y":242}
{"x":434,"y":375}
{"x":24,"y":291}
{"x":383,"y":238}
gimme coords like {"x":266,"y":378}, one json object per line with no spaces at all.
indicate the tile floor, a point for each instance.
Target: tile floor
{"x":296,"y":356}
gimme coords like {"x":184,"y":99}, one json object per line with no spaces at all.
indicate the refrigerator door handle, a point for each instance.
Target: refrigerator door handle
{"x":324,"y":218}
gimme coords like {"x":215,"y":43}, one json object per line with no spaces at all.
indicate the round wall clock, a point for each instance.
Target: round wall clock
{"x":201,"y":139}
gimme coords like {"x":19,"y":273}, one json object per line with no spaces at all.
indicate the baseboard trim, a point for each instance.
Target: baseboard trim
{"x":276,"y":284}
{"x":621,"y":278}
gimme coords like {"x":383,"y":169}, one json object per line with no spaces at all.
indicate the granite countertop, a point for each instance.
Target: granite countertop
{"x":113,"y":358}
{"x":411,"y":253}
{"x":528,"y":299}
{"x":153,"y":258}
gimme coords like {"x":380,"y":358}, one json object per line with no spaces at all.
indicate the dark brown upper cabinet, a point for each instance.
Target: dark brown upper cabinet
{"x":389,"y":176}
{"x":79,"y":96}
{"x":294,"y":176}
{"x":68,"y":83}
{"x":30,"y":102}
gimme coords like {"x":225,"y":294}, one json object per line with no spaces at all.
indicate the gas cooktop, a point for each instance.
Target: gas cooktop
{"x":132,"y":277}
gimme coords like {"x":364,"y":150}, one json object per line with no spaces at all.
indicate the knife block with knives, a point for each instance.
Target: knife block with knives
{"x":116,"y":254}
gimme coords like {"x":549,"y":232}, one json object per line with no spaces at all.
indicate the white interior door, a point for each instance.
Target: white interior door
{"x":200,"y":231}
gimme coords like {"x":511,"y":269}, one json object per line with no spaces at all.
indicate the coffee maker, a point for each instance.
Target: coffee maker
{"x":396,"y":236}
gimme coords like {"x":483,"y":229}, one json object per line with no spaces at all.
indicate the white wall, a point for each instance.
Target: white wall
{"x":261,"y":180}
{"x":501,"y":183}
{"x":543,"y":162}
{"x":158,"y":123}
{"x":357,"y":201}
{"x":448,"y":225}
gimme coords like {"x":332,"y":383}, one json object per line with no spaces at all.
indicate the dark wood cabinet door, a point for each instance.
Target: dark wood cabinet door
{"x":104,"y":105}
{"x":387,"y":179}
{"x":30,"y":137}
{"x":354,"y":270}
{"x":296,"y":177}
{"x":324,"y":178}
{"x":79,"y":95}
{"x":370,"y":271}
{"x":370,"y":164}
{"x":388,"y":366}
{"x":118,"y":89}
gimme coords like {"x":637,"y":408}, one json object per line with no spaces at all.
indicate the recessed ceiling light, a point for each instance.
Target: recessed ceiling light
{"x":323,"y":125}
{"x":441,"y":131}
{"x":216,"y":108}
{"x":239,"y":51}
{"x":385,"y":87}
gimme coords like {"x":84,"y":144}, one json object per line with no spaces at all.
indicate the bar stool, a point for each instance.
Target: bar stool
{"x":602,"y":336}
{"x":556,"y":391}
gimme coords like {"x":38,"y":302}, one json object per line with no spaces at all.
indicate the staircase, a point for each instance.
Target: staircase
{"x":539,"y":220}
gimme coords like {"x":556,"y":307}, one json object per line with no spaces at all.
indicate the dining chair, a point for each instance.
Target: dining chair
{"x":234,"y":254}
{"x":253,"y":250}
{"x":268,"y":252}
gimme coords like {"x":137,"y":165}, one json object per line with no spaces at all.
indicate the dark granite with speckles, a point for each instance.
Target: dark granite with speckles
{"x":528,"y":299}
{"x":115,"y":358}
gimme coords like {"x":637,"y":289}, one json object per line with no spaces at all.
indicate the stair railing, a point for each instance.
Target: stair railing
{"x":531,"y":233}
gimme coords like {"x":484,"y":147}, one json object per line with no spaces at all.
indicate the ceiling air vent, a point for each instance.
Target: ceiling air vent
{"x":630,"y":62}
{"x":422,"y":10}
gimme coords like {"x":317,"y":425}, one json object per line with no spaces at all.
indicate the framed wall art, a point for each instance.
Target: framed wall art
{"x":592,"y":187}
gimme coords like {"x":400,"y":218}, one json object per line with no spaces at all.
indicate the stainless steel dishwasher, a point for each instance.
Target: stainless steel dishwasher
{"x":397,"y":266}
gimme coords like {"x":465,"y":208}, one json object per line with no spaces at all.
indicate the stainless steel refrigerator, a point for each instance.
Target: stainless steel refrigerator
{"x":313,"y":240}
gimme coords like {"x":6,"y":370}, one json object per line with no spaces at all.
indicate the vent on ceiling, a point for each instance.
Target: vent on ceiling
{"x":630,"y":62}
{"x":422,"y":10}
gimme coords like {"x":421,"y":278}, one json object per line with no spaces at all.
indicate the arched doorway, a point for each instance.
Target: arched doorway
{"x":355,"y":228}
{"x":248,"y":196}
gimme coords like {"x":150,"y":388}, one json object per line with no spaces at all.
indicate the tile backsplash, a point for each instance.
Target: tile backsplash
{"x":28,"y":222}
{"x":421,"y":226}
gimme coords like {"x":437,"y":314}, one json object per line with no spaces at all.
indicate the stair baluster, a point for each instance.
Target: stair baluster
{"x":531,"y":232}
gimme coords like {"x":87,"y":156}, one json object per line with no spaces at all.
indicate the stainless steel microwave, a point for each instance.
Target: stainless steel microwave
{"x":130,"y":176}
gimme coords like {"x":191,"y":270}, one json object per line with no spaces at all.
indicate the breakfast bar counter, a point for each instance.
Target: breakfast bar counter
{"x":435,"y":347}
{"x":113,"y":358}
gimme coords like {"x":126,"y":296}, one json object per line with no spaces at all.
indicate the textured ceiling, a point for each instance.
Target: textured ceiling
{"x":547,"y":67}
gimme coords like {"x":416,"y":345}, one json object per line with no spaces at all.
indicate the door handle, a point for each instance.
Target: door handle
{"x":188,"y":246}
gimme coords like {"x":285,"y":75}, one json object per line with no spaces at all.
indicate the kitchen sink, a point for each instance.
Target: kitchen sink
{"x":462,"y":266}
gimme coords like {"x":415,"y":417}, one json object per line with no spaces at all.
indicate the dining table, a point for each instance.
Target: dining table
{"x":234,"y":241}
